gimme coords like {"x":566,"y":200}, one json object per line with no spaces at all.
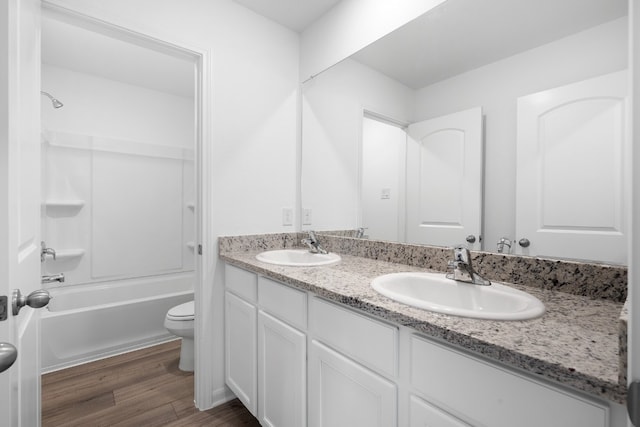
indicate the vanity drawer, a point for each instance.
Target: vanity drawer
{"x":486,"y":394}
{"x":241,"y":282}
{"x":283,"y":301}
{"x":368,"y":341}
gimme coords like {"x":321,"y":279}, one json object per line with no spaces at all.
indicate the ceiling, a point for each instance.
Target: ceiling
{"x":293,"y":14}
{"x":457,"y":36}
{"x":82,"y":50}
{"x":461,"y":35}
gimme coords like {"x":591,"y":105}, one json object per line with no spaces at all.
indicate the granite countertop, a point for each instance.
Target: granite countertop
{"x":575,"y":343}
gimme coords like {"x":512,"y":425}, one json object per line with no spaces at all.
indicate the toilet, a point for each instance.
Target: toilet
{"x":179,"y":321}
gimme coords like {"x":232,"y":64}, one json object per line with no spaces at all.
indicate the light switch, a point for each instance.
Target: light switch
{"x":287,"y":216}
{"x":306,"y":216}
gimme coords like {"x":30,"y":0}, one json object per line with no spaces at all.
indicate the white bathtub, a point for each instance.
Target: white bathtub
{"x":86,"y":323}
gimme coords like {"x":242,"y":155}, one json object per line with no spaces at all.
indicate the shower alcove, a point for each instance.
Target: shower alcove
{"x":118,"y":192}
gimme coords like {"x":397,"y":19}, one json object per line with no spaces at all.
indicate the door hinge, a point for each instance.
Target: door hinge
{"x":199,"y":249}
{"x":633,"y":403}
{"x":3,"y":307}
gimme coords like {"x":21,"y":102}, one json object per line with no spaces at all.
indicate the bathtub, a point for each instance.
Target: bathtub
{"x":91,"y":322}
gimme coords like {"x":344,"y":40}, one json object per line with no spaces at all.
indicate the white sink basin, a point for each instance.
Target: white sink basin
{"x":434,"y":292}
{"x":298,"y":257}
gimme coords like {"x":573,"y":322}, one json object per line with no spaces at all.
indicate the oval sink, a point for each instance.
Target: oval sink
{"x":298,"y":257}
{"x":434,"y":292}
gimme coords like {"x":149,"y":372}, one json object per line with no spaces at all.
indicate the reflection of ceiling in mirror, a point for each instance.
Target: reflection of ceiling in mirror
{"x":461,"y":35}
{"x":293,"y":14}
{"x":72,"y":47}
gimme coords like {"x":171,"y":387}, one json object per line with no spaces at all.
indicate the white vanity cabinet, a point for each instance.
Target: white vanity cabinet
{"x":343,"y":393}
{"x":266,"y":347}
{"x":240,"y":337}
{"x":485,"y":394}
{"x":282,"y":355}
{"x":352,"y":367}
{"x":362,"y":371}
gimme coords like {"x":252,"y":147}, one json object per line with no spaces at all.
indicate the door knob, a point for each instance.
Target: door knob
{"x":524,"y":242}
{"x":8,"y":355}
{"x":36,"y":299}
{"x":471,"y":238}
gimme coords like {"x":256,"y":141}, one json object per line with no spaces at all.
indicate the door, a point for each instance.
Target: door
{"x":282,"y":373}
{"x":343,"y":393}
{"x":382,"y":185}
{"x":570,"y":171}
{"x":444,"y":180}
{"x":20,"y":201}
{"x":241,"y":352}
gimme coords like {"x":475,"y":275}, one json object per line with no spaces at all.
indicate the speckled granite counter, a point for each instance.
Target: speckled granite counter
{"x":575,"y":343}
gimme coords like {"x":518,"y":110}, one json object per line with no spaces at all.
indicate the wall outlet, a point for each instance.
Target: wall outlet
{"x":306,"y":216}
{"x":287,"y":216}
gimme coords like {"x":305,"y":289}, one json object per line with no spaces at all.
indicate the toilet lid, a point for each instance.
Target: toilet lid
{"x":182,"y":312}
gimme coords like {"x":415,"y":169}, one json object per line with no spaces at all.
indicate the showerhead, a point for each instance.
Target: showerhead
{"x":54,"y":101}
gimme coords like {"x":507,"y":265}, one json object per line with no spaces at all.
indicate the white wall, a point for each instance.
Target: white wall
{"x":496,"y":87}
{"x":103,"y":107}
{"x":253,"y":117}
{"x":333,"y":107}
{"x":351,"y":25}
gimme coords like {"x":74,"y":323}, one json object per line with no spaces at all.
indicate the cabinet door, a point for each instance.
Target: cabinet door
{"x":240,"y":350}
{"x":423,"y":414}
{"x":344,"y":393}
{"x":282,"y":379}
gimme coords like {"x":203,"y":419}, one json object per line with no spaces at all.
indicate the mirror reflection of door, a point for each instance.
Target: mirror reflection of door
{"x":383,"y":171}
{"x":444,"y":180}
{"x":570,"y":182}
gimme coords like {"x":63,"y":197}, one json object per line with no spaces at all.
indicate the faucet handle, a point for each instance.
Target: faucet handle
{"x":44,"y":251}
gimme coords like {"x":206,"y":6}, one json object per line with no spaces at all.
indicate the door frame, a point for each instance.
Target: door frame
{"x":633,"y":177}
{"x":205,"y":241}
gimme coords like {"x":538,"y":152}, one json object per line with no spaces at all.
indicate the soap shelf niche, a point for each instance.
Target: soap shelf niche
{"x":62,"y":207}
{"x":66,"y":254}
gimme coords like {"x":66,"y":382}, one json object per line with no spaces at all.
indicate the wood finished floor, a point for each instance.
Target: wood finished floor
{"x":138,"y":389}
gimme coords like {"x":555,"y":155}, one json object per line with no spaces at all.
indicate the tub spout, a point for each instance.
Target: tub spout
{"x":53,"y":278}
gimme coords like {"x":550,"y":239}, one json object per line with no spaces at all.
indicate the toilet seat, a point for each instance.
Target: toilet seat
{"x":182,"y":312}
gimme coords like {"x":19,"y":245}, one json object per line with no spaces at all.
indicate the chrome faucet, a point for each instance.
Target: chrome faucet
{"x":462,"y":269}
{"x":44,"y":251}
{"x":504,"y":246}
{"x":313,"y":243}
{"x":54,"y":278}
{"x":360,"y":232}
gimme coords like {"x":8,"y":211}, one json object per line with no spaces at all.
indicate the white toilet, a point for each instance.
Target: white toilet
{"x":179,"y":321}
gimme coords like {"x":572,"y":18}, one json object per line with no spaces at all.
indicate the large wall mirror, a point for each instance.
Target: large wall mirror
{"x":368,"y":124}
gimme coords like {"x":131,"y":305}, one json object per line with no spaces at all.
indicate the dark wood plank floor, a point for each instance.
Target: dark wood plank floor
{"x":142,"y":388}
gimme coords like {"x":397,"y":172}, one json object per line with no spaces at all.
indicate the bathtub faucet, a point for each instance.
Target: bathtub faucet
{"x":53,"y":278}
{"x":44,"y":251}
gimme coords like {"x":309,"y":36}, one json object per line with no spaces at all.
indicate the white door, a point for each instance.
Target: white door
{"x":282,"y":373}
{"x":241,"y":351}
{"x":20,"y":201}
{"x":382,"y":185}
{"x":444,"y":180}
{"x":570,"y":198}
{"x":343,"y":393}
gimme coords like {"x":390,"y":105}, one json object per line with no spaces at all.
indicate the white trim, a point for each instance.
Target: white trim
{"x":205,"y":396}
{"x":632,"y":157}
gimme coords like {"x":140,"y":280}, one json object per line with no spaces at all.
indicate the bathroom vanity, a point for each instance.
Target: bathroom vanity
{"x":318,"y":346}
